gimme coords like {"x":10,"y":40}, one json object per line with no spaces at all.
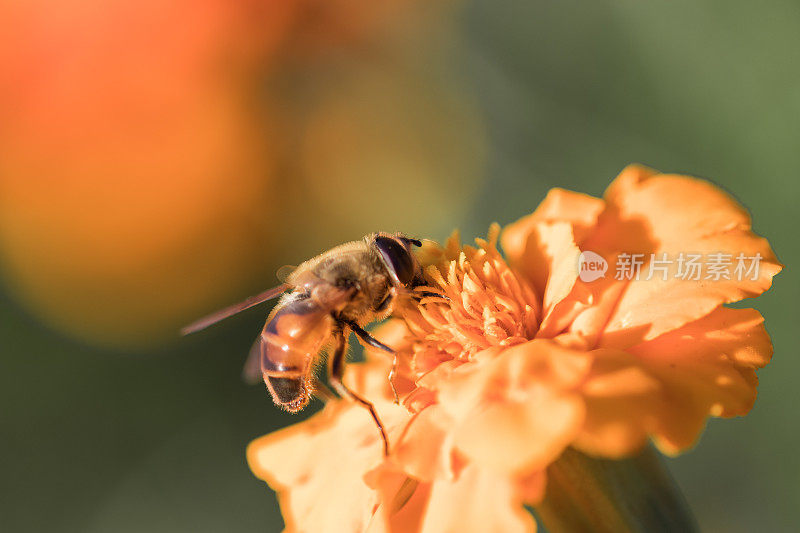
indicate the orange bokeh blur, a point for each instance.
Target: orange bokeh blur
{"x":153,"y":157}
{"x":129,"y":168}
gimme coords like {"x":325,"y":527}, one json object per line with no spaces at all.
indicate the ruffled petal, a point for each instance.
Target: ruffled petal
{"x":650,"y":213}
{"x":426,"y":450}
{"x":551,"y":258}
{"x":515,"y":437}
{"x":544,"y":246}
{"x":403,"y":500}
{"x":621,"y":398}
{"x":738,"y":334}
{"x":332,"y":449}
{"x":479,"y":500}
{"x":705,"y":368}
{"x":577,"y":209}
{"x":516,"y":411}
{"x":650,"y":307}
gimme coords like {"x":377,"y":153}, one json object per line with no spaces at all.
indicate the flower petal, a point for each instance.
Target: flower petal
{"x":739,"y":334}
{"x":479,"y":500}
{"x":621,"y":398}
{"x":521,"y":436}
{"x":522,"y":399}
{"x":425,"y":450}
{"x":652,"y":213}
{"x":403,"y":500}
{"x":706,"y":368}
{"x":649,"y":308}
{"x":544,"y":247}
{"x":647,"y":212}
{"x":577,"y":209}
{"x":550,"y":261}
{"x":616,"y":426}
{"x":291,"y":462}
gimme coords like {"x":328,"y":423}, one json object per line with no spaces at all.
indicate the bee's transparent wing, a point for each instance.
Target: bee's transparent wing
{"x":213,"y":318}
{"x":284,"y":272}
{"x":251,"y":373}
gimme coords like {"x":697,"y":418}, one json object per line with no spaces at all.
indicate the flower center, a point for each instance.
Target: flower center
{"x":488,"y":305}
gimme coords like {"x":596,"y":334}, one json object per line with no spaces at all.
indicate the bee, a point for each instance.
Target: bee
{"x":330,"y":295}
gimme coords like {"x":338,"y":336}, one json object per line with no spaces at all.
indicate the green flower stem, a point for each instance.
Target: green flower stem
{"x":635,"y":494}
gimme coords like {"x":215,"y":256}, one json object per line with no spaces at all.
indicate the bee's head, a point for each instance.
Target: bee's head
{"x":395,"y":253}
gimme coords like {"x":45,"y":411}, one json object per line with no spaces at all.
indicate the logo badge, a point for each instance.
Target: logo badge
{"x":591,"y":266}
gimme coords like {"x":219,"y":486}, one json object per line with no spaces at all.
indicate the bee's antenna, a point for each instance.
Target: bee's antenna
{"x":415,"y":242}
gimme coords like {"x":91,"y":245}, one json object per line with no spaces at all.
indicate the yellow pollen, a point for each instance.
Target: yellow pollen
{"x":488,"y":303}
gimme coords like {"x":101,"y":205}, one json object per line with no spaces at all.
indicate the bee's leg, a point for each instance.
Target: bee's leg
{"x":387,"y":301}
{"x":367,"y":338}
{"x":419,"y":295}
{"x":375,"y":343}
{"x":337,"y":372}
{"x":322,"y":391}
{"x":417,"y":291}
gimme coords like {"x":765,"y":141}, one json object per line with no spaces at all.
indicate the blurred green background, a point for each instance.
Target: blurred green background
{"x":139,"y":190}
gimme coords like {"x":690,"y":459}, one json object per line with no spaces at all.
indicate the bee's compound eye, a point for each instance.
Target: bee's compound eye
{"x":397,"y":258}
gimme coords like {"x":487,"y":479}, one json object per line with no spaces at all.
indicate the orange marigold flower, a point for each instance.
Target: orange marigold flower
{"x":527,"y":356}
